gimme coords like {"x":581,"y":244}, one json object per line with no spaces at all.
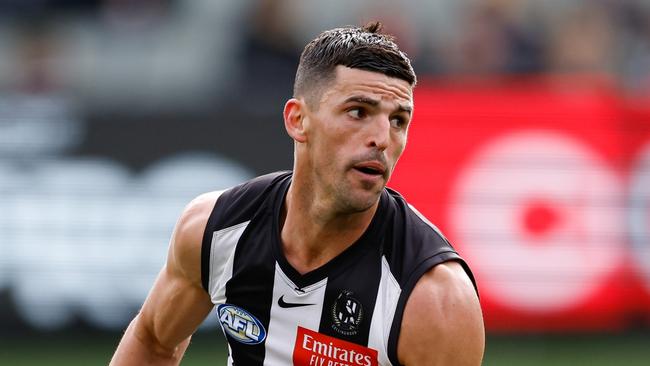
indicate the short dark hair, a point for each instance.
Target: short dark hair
{"x":364,"y":48}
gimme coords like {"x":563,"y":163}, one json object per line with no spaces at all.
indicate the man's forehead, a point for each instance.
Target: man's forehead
{"x":350,"y":82}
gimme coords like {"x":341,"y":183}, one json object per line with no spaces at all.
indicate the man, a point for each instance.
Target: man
{"x":324,"y":265}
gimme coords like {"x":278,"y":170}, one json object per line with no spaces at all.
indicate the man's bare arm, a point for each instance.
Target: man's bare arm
{"x":177,"y":303}
{"x":443,"y":323}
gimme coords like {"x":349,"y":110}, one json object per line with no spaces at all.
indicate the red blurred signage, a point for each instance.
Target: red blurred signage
{"x":544,"y":187}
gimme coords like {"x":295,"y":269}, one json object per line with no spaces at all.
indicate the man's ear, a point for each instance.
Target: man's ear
{"x":294,"y":119}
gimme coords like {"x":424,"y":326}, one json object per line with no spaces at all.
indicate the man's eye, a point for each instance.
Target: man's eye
{"x":397,"y":122}
{"x":356,"y":113}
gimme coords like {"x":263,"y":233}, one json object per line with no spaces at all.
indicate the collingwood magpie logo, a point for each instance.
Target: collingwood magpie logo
{"x":241,"y":325}
{"x":347,"y":314}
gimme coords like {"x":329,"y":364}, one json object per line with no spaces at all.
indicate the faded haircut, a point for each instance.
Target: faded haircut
{"x":364,"y":48}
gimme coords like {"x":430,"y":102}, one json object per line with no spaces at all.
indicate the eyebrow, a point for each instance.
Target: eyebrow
{"x":374,"y":103}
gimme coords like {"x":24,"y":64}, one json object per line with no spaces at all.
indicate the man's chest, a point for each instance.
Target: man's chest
{"x":336,"y":320}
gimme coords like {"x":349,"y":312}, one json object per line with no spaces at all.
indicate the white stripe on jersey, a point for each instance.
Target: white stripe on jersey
{"x":281,"y":336}
{"x":385,"y":307}
{"x":222,"y":256}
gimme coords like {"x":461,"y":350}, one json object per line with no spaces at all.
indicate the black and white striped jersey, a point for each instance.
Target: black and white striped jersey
{"x":347,"y":312}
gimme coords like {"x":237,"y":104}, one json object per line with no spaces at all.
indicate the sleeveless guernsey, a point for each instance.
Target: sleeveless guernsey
{"x":347,"y":312}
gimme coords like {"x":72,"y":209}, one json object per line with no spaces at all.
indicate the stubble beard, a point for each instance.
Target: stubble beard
{"x":356,"y":197}
{"x":350,"y":199}
{"x":344,"y":194}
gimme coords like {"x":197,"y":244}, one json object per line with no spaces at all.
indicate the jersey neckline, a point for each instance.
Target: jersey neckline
{"x":367,"y":241}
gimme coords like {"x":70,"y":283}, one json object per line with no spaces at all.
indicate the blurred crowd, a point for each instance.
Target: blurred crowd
{"x":178,"y":54}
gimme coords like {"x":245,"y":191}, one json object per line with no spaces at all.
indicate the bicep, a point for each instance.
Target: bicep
{"x":177,"y":303}
{"x":173,"y":310}
{"x":442,"y":322}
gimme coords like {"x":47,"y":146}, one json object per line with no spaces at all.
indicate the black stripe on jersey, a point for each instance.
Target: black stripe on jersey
{"x":350,"y":299}
{"x":251,"y":286}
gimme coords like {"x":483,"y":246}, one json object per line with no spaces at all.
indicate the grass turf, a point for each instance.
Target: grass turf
{"x":209,"y":349}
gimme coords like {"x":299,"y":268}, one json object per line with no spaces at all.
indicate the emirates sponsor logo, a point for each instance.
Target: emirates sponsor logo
{"x":316,"y":349}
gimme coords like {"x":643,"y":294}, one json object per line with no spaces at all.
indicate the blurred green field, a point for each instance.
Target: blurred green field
{"x":209,"y":349}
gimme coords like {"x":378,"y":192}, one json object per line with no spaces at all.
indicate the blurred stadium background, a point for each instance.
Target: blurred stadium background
{"x":530,"y":149}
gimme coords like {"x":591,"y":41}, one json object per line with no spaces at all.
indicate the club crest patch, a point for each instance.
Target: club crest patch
{"x":240,"y":325}
{"x":347,"y":314}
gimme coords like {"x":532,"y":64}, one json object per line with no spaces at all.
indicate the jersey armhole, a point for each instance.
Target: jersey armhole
{"x":415,"y":275}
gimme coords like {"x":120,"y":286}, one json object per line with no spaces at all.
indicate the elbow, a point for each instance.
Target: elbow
{"x":157,"y":350}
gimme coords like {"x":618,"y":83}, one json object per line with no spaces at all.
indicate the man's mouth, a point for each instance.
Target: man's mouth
{"x":371,"y":168}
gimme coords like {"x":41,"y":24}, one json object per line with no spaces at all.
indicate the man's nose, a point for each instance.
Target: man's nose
{"x":380,"y":134}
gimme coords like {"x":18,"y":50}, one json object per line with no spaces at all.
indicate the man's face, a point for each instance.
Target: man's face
{"x":356,"y":136}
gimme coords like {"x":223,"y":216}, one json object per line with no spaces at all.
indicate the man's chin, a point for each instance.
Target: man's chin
{"x":362,"y":202}
{"x":356,"y":196}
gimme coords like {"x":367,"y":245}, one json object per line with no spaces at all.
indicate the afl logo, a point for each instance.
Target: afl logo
{"x":347,"y":314}
{"x":241,"y":325}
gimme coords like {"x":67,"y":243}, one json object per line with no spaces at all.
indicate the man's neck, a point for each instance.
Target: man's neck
{"x":313,"y":233}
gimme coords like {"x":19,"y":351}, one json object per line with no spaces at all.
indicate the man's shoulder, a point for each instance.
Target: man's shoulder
{"x":241,"y":202}
{"x":416,"y":244}
{"x":412,"y":232}
{"x":412,"y":218}
{"x":185,"y":250}
{"x":213,"y":209}
{"x":262,"y":182}
{"x":256,"y":186}
{"x":442,"y":313}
